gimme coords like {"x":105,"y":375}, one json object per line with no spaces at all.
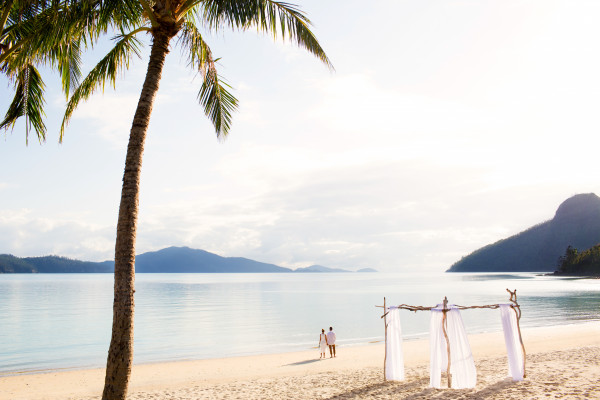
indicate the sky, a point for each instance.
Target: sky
{"x":447,"y":125}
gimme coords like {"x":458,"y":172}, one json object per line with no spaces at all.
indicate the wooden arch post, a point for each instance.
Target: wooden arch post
{"x":517,"y":309}
{"x":445,"y":330}
{"x":385,"y":341}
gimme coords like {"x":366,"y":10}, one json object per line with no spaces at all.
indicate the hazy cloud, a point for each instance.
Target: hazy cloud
{"x":25,"y":235}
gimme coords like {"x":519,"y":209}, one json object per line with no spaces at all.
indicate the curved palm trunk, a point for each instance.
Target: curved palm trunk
{"x":120,"y":352}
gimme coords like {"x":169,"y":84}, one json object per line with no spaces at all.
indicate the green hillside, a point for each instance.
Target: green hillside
{"x":50,"y":264}
{"x":537,"y":249}
{"x":12,"y":264}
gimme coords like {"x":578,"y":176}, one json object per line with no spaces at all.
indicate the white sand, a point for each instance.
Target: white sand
{"x":562,"y":362}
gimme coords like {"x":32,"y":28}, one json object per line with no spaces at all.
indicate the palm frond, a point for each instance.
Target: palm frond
{"x":54,"y":32}
{"x":275,"y":17}
{"x":28,"y":102}
{"x":218,"y":102}
{"x":5,"y":9}
{"x":69,"y":66}
{"x":214,"y":94}
{"x":40,"y":37}
{"x":38,"y":32}
{"x":187,"y":7}
{"x":149,"y":12}
{"x":194,"y":46}
{"x":121,"y":15}
{"x":106,"y":70}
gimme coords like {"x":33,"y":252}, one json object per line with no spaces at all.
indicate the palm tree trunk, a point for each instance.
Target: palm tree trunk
{"x":120,"y":352}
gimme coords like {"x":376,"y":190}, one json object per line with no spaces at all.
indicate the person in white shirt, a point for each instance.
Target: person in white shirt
{"x":331,"y":342}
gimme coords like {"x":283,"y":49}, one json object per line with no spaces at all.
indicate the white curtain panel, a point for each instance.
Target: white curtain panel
{"x":394,"y":362}
{"x":462,"y":368}
{"x":513,"y":344}
{"x":438,"y":357}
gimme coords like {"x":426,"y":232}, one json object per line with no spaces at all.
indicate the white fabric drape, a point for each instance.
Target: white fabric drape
{"x":513,"y":344}
{"x":394,"y":362}
{"x":462,"y":368}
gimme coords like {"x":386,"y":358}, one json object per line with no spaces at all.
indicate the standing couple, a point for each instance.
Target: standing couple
{"x":327,"y":339}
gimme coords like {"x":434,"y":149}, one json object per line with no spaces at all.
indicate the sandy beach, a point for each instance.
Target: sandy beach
{"x":562,"y":362}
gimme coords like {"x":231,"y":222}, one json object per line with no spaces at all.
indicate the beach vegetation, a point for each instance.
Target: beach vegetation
{"x":56,"y":32}
{"x":585,"y":263}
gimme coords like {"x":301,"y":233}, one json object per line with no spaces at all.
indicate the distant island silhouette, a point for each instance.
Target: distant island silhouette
{"x":539,"y":248}
{"x":168,"y":260}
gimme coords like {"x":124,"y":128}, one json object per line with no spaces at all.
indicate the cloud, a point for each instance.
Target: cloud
{"x":389,"y":215}
{"x":108,"y":115}
{"x":25,"y":235}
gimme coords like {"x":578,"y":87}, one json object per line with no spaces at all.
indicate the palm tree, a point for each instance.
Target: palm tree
{"x":164,"y":20}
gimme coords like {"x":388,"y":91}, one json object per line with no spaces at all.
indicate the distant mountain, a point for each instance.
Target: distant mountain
{"x":51,"y":264}
{"x":169,"y":260}
{"x":320,"y":268}
{"x":576,"y":223}
{"x":184,"y":259}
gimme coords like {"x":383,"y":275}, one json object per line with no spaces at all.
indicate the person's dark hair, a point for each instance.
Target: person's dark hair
{"x":330,"y":328}
{"x":322,"y":330}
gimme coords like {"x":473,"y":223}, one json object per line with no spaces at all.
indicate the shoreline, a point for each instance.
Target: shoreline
{"x":354,"y":365}
{"x":409,"y":339}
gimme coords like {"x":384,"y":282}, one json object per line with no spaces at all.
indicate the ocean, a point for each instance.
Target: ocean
{"x":63,"y":321}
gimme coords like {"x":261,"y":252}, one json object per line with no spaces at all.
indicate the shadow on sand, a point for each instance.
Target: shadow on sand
{"x":303,"y":362}
{"x":406,"y":391}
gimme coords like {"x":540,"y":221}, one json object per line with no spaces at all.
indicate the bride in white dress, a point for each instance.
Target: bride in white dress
{"x":323,"y":343}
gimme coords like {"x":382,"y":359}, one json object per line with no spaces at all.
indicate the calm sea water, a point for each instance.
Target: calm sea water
{"x":56,"y":321}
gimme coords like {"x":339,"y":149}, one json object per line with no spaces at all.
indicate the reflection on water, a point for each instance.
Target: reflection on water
{"x":63,"y":321}
{"x":487,"y":277}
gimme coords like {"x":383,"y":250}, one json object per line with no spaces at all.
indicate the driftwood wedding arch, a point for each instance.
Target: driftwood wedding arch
{"x":514,"y":305}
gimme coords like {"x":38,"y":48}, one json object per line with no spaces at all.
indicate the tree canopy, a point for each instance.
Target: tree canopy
{"x":575,"y":263}
{"x":54,"y":33}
